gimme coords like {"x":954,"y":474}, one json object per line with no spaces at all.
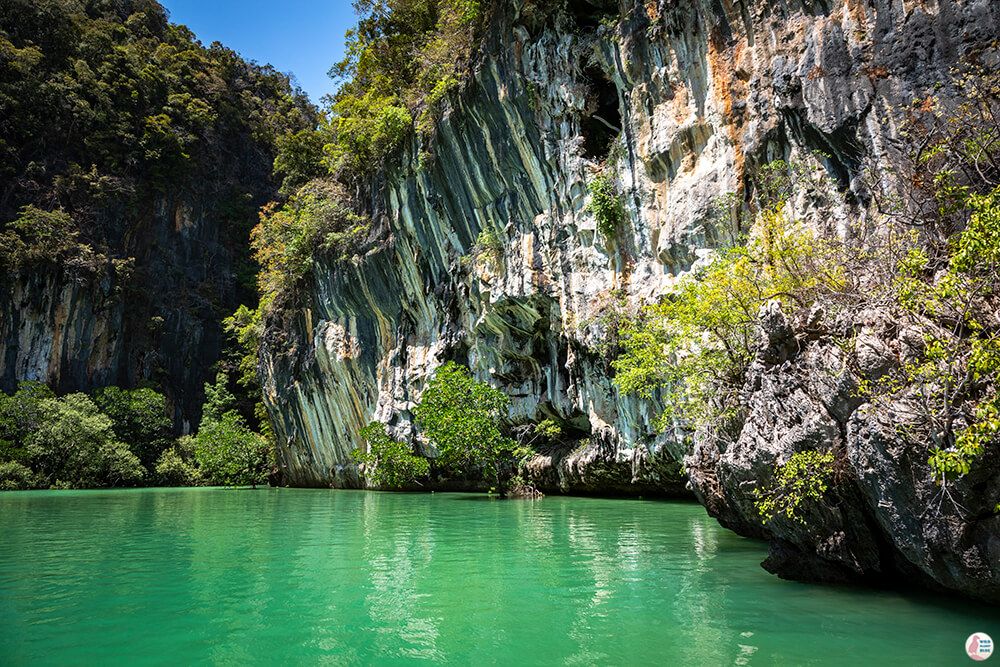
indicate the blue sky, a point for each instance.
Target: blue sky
{"x":305,"y":37}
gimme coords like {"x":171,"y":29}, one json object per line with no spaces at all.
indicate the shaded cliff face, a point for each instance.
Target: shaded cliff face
{"x":155,"y":152}
{"x":702,"y":91}
{"x":155,"y":321}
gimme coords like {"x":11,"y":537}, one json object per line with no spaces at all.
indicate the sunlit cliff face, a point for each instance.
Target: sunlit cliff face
{"x":701,"y":92}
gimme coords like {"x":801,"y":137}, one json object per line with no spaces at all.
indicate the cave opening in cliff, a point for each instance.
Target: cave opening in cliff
{"x":603,"y":121}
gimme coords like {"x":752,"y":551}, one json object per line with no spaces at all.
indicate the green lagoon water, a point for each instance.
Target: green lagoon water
{"x":281,"y":576}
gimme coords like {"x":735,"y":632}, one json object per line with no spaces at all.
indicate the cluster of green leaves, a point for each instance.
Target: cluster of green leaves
{"x":402,"y":59}
{"x":961,"y":357}
{"x":463,"y":418}
{"x":37,"y":237}
{"x":62,"y":442}
{"x":241,"y":356}
{"x":177,"y":465}
{"x":315,"y":222}
{"x":388,"y":462}
{"x":218,"y":400}
{"x":607,"y":204}
{"x":698,"y":342}
{"x":489,"y":244}
{"x":122,"y":437}
{"x":804,"y":478}
{"x":548,"y":429}
{"x":107,"y":100}
{"x":138,"y":418}
{"x":228,"y":452}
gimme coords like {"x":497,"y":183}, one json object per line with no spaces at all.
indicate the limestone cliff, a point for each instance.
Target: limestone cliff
{"x":157,"y":321}
{"x":701,"y":91}
{"x":155,"y":152}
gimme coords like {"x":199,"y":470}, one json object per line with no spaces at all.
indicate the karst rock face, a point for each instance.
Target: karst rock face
{"x":151,"y":321}
{"x":703,"y":91}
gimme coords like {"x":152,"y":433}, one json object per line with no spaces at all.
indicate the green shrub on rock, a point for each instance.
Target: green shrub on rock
{"x":804,"y":478}
{"x":606,"y":204}
{"x":697,"y":344}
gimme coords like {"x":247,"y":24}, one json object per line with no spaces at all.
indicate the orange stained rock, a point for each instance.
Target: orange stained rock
{"x":727,"y":86}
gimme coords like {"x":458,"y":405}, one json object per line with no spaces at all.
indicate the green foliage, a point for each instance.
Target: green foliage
{"x":139,"y":418}
{"x":218,"y":401}
{"x":105,"y":100}
{"x":244,"y":328}
{"x":961,"y":358}
{"x":976,"y":250}
{"x":230,"y":454}
{"x":364,"y":140}
{"x":388,"y":462}
{"x":300,"y":158}
{"x":489,"y":244}
{"x":75,"y":444}
{"x":697,"y":343}
{"x":176,"y":465}
{"x":548,"y":429}
{"x":16,"y":476}
{"x":316,"y":221}
{"x":804,"y":478}
{"x":38,"y":237}
{"x":20,"y":416}
{"x":606,"y":204}
{"x":462,"y":418}
{"x":402,"y":60}
{"x":116,"y":438}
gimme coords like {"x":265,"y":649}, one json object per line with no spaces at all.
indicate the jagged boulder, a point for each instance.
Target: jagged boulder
{"x":883,"y":517}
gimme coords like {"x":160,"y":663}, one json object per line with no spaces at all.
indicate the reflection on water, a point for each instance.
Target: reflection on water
{"x":334,"y":577}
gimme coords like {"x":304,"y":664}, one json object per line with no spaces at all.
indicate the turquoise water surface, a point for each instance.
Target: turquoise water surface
{"x":283,"y":576}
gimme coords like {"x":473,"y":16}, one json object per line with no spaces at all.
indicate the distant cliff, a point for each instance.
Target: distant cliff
{"x":152,"y":153}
